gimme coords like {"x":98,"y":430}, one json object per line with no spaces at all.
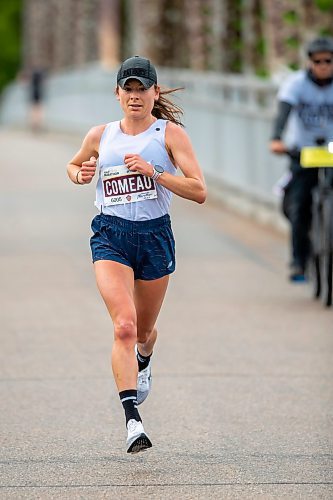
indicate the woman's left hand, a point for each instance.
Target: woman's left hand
{"x":135,"y":163}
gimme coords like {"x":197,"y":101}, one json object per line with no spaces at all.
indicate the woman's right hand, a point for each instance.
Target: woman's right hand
{"x":87,"y":171}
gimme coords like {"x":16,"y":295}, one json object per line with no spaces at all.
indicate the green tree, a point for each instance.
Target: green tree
{"x":10,"y":40}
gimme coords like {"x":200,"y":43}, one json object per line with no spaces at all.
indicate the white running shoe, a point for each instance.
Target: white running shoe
{"x":144,"y":382}
{"x":137,"y":439}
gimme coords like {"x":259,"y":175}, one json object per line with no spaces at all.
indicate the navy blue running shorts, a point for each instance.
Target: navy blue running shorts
{"x":148,"y":247}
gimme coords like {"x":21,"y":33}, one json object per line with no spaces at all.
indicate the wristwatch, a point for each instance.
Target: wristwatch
{"x":158,"y":170}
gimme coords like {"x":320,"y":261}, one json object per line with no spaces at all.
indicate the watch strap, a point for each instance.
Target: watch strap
{"x":156,"y":175}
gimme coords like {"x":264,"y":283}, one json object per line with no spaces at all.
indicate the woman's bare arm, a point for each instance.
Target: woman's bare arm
{"x":192,"y":184}
{"x":81,"y":169}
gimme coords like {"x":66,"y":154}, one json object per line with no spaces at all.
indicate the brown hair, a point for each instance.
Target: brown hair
{"x":166,"y":109}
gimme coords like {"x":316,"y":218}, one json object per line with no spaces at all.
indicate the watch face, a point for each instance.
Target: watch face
{"x":159,"y":169}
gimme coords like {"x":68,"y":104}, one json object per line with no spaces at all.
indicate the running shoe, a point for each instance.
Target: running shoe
{"x":144,"y":382}
{"x":137,"y":439}
{"x":297,"y":275}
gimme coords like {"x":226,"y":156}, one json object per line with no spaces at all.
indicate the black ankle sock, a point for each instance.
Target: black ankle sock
{"x":129,"y":401}
{"x":143,"y":361}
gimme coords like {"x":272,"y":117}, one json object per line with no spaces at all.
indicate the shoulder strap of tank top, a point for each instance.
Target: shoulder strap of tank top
{"x":108,"y":131}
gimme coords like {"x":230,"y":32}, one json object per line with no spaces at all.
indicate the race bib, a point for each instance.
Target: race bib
{"x":120,"y":185}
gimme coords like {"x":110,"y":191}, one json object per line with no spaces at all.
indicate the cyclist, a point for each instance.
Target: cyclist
{"x":132,"y":246}
{"x":305,"y":103}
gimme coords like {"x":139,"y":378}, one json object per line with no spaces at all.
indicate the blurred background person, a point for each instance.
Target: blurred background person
{"x":305,"y":103}
{"x":36,"y":97}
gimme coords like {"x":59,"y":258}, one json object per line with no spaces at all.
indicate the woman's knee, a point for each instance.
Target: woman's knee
{"x":125,"y":331}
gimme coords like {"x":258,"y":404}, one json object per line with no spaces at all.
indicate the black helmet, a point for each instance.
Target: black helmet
{"x":321,"y":44}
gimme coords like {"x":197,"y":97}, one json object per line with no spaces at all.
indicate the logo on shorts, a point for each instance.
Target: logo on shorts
{"x":128,"y":197}
{"x":170,"y":264}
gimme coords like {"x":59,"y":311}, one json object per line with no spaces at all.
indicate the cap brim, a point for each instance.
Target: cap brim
{"x":146,"y":82}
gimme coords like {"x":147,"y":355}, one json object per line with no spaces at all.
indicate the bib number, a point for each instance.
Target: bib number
{"x":120,"y":186}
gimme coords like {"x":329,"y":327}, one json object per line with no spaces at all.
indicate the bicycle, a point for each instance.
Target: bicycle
{"x":321,"y":233}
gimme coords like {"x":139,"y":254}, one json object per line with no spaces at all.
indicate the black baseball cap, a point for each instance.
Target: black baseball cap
{"x":321,"y":44}
{"x":138,"y":68}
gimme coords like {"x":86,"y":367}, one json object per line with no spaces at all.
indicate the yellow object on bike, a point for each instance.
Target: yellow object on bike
{"x":316,"y":157}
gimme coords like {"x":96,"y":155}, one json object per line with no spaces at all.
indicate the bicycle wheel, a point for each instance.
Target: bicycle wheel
{"x":316,"y":243}
{"x":316,"y":277}
{"x":329,"y":279}
{"x":328,"y":248}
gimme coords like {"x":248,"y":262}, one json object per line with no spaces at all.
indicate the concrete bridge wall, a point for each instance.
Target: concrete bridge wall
{"x":229,"y":119}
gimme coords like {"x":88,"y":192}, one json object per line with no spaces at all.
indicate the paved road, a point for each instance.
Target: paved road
{"x":242,"y":398}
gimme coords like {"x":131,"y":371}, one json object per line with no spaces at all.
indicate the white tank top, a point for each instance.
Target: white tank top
{"x":122,"y":193}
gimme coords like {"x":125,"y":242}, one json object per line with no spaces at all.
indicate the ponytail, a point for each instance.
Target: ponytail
{"x":164,"y":108}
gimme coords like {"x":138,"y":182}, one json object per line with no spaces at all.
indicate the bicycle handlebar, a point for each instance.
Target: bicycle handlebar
{"x":294,"y":154}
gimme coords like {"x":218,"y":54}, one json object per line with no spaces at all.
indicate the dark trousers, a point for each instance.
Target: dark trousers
{"x":297,"y":207}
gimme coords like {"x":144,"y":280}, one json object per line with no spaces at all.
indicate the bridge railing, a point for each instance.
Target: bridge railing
{"x":229,"y":119}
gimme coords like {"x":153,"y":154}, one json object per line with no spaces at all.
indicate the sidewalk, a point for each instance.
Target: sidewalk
{"x":241,"y":406}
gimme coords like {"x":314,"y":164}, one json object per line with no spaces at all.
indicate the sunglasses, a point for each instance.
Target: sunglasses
{"x":322,"y":61}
